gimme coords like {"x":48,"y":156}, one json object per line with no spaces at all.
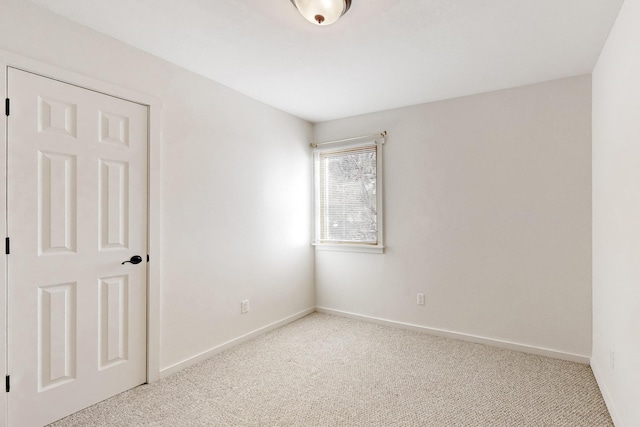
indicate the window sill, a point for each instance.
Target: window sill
{"x":349,"y":248}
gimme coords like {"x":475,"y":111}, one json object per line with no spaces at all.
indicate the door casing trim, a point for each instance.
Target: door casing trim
{"x":154,"y":193}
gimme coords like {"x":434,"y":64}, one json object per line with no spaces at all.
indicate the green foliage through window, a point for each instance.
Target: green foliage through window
{"x":346,"y":199}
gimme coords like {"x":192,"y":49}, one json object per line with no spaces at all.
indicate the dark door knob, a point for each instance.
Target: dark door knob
{"x":136,"y":259}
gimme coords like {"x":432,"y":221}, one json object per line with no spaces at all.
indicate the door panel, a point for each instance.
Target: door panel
{"x":113,"y":199}
{"x":57,"y":203}
{"x":113,"y":306}
{"x":77,"y":208}
{"x":56,"y":335}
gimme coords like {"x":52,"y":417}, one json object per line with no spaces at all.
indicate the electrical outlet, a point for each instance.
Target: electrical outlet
{"x":420,"y":300}
{"x":244,"y":306}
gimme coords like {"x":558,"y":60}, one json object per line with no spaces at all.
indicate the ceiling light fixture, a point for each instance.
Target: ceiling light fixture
{"x":322,"y":12}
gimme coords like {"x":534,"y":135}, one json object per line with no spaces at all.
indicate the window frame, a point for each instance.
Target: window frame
{"x":379,"y":142}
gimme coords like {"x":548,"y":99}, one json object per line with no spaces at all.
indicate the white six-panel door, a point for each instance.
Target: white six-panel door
{"x":77,"y":209}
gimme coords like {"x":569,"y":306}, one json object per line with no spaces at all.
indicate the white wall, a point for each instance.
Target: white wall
{"x":616,"y":218}
{"x":235,"y":196}
{"x":488,"y":212}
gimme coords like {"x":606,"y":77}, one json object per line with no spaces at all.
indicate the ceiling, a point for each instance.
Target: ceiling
{"x":382,"y":54}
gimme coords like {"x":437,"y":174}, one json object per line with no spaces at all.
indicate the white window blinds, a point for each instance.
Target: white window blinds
{"x":346,"y":195}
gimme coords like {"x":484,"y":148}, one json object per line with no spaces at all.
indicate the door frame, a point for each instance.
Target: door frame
{"x":154,"y":106}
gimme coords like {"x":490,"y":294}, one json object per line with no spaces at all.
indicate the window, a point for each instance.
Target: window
{"x":348,"y":195}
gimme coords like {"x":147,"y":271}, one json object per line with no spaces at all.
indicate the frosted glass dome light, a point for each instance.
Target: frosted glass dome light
{"x":322,"y":12}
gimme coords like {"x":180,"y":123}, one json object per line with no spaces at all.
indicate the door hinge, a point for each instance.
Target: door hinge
{"x":7,"y":105}
{"x":7,"y":381}
{"x":7,"y":246}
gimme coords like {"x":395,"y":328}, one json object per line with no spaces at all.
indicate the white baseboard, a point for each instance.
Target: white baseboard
{"x":595,"y":368}
{"x":164,"y":372}
{"x":464,"y":337}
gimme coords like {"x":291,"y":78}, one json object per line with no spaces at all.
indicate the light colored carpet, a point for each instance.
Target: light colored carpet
{"x":330,"y":371}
